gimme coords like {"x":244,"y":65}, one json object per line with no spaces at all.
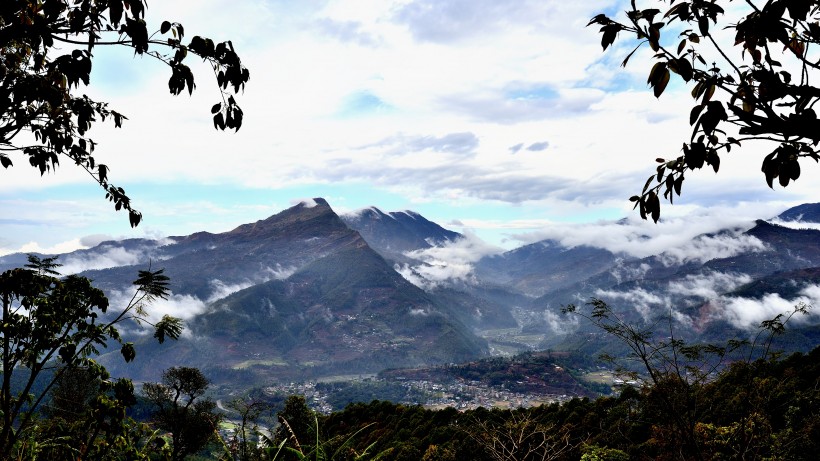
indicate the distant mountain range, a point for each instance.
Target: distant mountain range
{"x":308,"y":293}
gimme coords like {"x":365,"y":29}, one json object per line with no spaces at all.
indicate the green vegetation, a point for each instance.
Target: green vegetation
{"x":257,"y":362}
{"x":181,"y":410}
{"x":342,"y":394}
{"x":51,"y":329}
{"x":766,"y":409}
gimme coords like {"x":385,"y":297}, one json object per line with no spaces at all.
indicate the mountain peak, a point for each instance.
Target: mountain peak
{"x":807,"y":212}
{"x":312,"y":203}
{"x":312,"y":215}
{"x":397,"y":232}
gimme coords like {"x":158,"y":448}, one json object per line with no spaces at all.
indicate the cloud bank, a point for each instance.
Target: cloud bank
{"x":709,"y":289}
{"x":698,"y":236}
{"x":452,"y":262}
{"x":747,"y":313}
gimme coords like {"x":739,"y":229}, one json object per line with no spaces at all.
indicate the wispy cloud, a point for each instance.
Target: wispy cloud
{"x":452,"y":262}
{"x":708,"y":286}
{"x":187,"y":306}
{"x":643,"y":301}
{"x":700,"y":236}
{"x":706,"y":248}
{"x":710,"y":291}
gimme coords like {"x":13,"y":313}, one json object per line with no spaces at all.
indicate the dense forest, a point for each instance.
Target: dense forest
{"x":759,"y":410}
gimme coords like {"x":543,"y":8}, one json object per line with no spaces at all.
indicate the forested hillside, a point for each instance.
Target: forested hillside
{"x":759,"y":410}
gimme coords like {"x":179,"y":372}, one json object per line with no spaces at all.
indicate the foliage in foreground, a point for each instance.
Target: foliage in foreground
{"x":764,"y":409}
{"x":182,"y":411}
{"x":52,"y":328}
{"x":46,"y":54}
{"x":752,"y":67}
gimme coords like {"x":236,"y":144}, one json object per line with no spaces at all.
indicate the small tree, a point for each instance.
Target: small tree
{"x":676,"y":372}
{"x":249,"y":410}
{"x":753,"y":74}
{"x":297,"y":437}
{"x":518,"y":436}
{"x":51,"y":326}
{"x":182,"y":411}
{"x":296,"y":423}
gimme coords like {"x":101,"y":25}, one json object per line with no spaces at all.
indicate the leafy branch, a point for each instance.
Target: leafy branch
{"x":756,"y":97}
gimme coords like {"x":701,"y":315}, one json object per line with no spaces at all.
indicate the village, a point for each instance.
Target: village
{"x":461,"y":395}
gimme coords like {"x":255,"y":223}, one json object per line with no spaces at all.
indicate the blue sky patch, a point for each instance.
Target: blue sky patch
{"x":363,"y":103}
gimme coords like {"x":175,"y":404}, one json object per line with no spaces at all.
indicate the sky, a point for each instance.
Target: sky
{"x":501,"y":120}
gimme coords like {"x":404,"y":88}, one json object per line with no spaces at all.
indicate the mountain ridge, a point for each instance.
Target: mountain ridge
{"x":307,"y":292}
{"x":337,"y":303}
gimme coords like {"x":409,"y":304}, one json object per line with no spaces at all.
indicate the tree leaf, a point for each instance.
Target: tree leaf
{"x":128,"y":352}
{"x":703,"y":25}
{"x":660,"y":85}
{"x":170,"y":327}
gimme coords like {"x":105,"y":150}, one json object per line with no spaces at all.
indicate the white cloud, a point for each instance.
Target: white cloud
{"x":708,"y":286}
{"x":453,"y":261}
{"x":184,"y":307}
{"x":112,"y":255}
{"x":645,"y":303}
{"x":428,"y":275}
{"x":561,"y":324}
{"x":749,"y":313}
{"x":62,"y":247}
{"x":419,"y":312}
{"x":705,"y":248}
{"x":622,"y":271}
{"x":279,"y":272}
{"x":796,"y":224}
{"x":306,"y":202}
{"x":677,"y":239}
{"x":220,"y":289}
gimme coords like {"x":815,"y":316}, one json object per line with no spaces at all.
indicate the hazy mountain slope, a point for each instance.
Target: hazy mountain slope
{"x":786,"y":249}
{"x":477,"y":308}
{"x":808,"y":212}
{"x":344,"y":313}
{"x":778,"y":249}
{"x":302,"y":294}
{"x":336,"y":307}
{"x":271,"y":248}
{"x":712,"y":298}
{"x":396,"y":233}
{"x":545,"y":266}
{"x":788,"y":284}
{"x":106,"y":254}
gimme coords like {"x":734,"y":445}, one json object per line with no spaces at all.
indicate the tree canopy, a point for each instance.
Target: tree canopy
{"x":752,"y":66}
{"x":52,"y":327}
{"x":181,"y":409}
{"x":46,"y":55}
